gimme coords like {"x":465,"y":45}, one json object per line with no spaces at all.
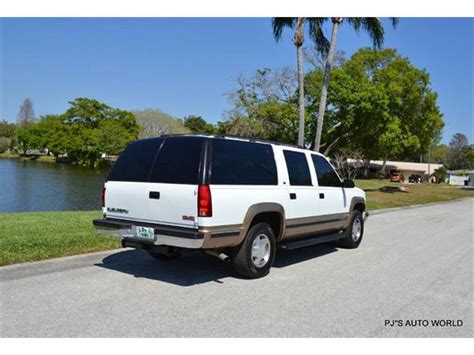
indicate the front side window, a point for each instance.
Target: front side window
{"x":242,"y":163}
{"x":325,"y":172}
{"x":298,"y":169}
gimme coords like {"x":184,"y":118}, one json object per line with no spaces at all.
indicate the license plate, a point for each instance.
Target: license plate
{"x":145,"y":232}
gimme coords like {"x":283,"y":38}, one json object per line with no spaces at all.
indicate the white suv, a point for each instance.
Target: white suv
{"x":234,"y":198}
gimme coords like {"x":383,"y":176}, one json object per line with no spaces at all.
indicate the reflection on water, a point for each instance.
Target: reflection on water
{"x":36,"y":186}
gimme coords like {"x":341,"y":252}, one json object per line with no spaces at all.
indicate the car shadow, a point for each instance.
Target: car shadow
{"x":189,"y":269}
{"x":197,"y":268}
{"x":286,"y":258}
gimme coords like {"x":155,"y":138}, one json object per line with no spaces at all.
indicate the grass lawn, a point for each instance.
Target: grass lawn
{"x":419,"y":194}
{"x":33,"y":236}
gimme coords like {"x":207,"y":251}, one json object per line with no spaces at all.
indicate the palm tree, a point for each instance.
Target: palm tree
{"x":373,"y":26}
{"x":316,"y":33}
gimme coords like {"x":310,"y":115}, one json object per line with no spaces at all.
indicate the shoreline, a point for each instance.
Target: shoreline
{"x":40,"y":158}
{"x":105,"y":163}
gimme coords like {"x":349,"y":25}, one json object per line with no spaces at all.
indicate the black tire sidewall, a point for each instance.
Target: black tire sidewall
{"x":243,"y":261}
{"x":348,"y":242}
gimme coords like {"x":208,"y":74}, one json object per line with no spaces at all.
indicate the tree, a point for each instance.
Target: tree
{"x":264,"y":106}
{"x":459,"y":152}
{"x":470,"y":157}
{"x":7,"y":129}
{"x":84,"y":132}
{"x":29,"y":137}
{"x":113,"y":138}
{"x":198,"y":125}
{"x":439,"y":153}
{"x":7,"y":134}
{"x":94,"y":128}
{"x":56,"y":135}
{"x":154,"y":122}
{"x":459,"y":141}
{"x":316,"y":33}
{"x":440,"y":174}
{"x":373,"y":26}
{"x":348,"y":162}
{"x":4,"y":144}
{"x":378,"y":103}
{"x":317,"y":59}
{"x":26,"y":114}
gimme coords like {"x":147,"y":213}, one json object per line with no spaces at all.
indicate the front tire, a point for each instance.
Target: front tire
{"x":254,"y":257}
{"x":355,"y":231}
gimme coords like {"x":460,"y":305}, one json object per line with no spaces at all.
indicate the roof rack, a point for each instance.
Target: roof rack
{"x":250,"y":139}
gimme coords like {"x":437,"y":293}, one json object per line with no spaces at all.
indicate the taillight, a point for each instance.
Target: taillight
{"x":103,"y":196}
{"x":204,"y":201}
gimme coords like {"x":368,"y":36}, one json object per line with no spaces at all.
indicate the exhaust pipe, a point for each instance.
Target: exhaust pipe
{"x":222,"y":256}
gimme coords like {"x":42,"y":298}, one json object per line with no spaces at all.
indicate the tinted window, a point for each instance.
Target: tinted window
{"x":178,"y":161}
{"x":242,"y":163}
{"x":325,"y":172}
{"x":298,"y":168}
{"x":135,"y":162}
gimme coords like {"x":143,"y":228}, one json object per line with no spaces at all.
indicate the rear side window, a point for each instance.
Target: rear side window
{"x":135,"y":162}
{"x":242,"y":163}
{"x":325,"y":172}
{"x":298,"y":169}
{"x":178,"y":161}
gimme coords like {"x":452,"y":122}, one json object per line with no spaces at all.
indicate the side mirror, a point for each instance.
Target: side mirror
{"x":348,"y":184}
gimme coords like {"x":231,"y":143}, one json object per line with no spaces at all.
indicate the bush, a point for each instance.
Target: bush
{"x":440,"y":174}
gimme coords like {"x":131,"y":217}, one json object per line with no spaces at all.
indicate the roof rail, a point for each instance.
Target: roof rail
{"x":250,"y":139}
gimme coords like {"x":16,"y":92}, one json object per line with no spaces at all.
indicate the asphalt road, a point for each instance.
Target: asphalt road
{"x":413,"y":264}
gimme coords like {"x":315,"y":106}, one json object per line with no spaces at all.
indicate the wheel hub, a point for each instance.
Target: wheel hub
{"x":261,"y":249}
{"x":356,"y":229}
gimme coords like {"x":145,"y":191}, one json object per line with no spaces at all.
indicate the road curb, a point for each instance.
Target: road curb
{"x":394,"y":209}
{"x":22,"y":270}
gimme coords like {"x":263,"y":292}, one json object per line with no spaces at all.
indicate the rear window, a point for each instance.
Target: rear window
{"x":178,"y":161}
{"x":242,"y":163}
{"x":135,"y":162}
{"x":298,"y":169}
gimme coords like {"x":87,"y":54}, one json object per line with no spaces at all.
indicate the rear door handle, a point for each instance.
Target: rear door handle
{"x":321,"y":195}
{"x":154,"y":194}
{"x":292,"y":196}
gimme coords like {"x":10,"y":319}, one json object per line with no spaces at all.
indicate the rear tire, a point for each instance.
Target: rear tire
{"x":353,"y":233}
{"x":254,"y":257}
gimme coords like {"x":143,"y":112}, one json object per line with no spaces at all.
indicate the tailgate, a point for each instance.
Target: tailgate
{"x":126,"y":200}
{"x":169,"y":204}
{"x":172,"y":204}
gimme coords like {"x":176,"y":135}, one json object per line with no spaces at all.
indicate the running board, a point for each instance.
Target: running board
{"x":310,"y":241}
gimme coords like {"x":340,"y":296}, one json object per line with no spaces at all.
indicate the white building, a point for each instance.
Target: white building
{"x":405,"y":168}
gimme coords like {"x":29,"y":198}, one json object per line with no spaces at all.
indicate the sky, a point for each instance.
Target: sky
{"x":187,"y":66}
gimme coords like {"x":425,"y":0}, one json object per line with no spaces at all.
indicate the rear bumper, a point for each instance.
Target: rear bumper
{"x":164,"y":235}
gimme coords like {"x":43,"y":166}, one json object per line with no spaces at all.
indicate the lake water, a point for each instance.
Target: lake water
{"x":36,"y":186}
